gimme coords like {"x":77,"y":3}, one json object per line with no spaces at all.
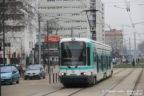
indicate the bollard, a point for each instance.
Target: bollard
{"x":49,"y":78}
{"x":56,"y":77}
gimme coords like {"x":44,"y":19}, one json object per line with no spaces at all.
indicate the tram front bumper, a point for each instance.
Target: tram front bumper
{"x":76,"y":79}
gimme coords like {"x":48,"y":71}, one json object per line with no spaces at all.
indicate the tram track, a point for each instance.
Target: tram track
{"x":79,"y":90}
{"x":53,"y":92}
{"x":118,"y":71}
{"x":69,"y":92}
{"x":76,"y":91}
{"x":95,"y":85}
{"x":117,"y":83}
{"x":136,"y":84}
{"x":72,"y":93}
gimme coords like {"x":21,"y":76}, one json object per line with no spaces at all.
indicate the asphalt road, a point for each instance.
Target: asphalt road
{"x":124,"y":82}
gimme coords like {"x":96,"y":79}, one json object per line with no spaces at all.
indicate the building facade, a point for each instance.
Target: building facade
{"x":114,"y":38}
{"x":70,"y":18}
{"x":76,"y":18}
{"x":20,"y":28}
{"x":100,"y":21}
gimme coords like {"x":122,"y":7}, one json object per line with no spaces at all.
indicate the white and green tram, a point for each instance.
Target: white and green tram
{"x":82,"y":60}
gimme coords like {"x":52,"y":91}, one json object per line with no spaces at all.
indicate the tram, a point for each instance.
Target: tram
{"x":82,"y":60}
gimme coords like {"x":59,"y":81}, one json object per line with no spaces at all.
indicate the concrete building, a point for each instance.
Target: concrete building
{"x":72,"y":18}
{"x":67,"y":18}
{"x":20,"y":27}
{"x":100,"y":21}
{"x":114,"y":38}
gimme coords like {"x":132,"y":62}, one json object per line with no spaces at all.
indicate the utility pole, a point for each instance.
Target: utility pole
{"x":3,"y":27}
{"x":39,"y":40}
{"x":135,"y":47}
{"x":130,"y":49}
{"x":48,"y":49}
{"x":71,"y":32}
{"x":47,"y":30}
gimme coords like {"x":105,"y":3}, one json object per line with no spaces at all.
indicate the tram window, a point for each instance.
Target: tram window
{"x":97,"y":63}
{"x":94,"y":52}
{"x":88,"y":56}
{"x":107,"y":61}
{"x":102,"y":62}
{"x":109,"y":64}
{"x":94,"y":56}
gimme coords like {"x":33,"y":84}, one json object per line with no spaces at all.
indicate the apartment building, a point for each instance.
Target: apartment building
{"x":114,"y":38}
{"x":20,"y":27}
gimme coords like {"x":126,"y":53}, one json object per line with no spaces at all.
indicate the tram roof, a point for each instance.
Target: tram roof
{"x":84,"y":40}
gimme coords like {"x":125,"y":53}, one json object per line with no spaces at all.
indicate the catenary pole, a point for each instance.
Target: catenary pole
{"x":39,"y":40}
{"x":48,"y":48}
{"x":135,"y":47}
{"x":3,"y":29}
{"x":130,"y":49}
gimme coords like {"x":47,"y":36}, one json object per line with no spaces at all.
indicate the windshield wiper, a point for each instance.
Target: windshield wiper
{"x":4,"y":72}
{"x":76,"y":66}
{"x":68,"y":66}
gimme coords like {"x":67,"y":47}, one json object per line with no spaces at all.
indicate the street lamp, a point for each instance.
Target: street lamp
{"x":3,"y":29}
{"x":92,"y":28}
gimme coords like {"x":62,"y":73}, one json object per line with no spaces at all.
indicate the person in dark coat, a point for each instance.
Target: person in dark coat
{"x":133,"y":63}
{"x":138,"y":60}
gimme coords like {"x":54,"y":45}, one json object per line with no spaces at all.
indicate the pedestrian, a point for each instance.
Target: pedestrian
{"x":19,"y":67}
{"x":133,"y":63}
{"x":138,"y":61}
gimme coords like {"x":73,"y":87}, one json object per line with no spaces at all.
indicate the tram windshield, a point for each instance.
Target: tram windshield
{"x":73,"y":53}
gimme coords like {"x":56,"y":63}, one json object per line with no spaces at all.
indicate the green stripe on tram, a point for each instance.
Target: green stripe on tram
{"x":78,"y":68}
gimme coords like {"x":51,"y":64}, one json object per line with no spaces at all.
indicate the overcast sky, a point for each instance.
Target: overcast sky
{"x":118,"y":16}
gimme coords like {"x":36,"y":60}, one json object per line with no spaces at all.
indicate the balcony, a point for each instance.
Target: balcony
{"x":15,"y":22}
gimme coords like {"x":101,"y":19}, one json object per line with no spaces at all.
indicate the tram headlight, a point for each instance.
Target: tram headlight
{"x":83,"y":73}
{"x":63,"y":73}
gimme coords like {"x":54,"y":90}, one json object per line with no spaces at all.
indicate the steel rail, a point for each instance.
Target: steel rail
{"x":137,"y":81}
{"x":73,"y":93}
{"x":117,"y":83}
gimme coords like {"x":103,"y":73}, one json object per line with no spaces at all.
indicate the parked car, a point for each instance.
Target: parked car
{"x":34,"y":71}
{"x":9,"y":74}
